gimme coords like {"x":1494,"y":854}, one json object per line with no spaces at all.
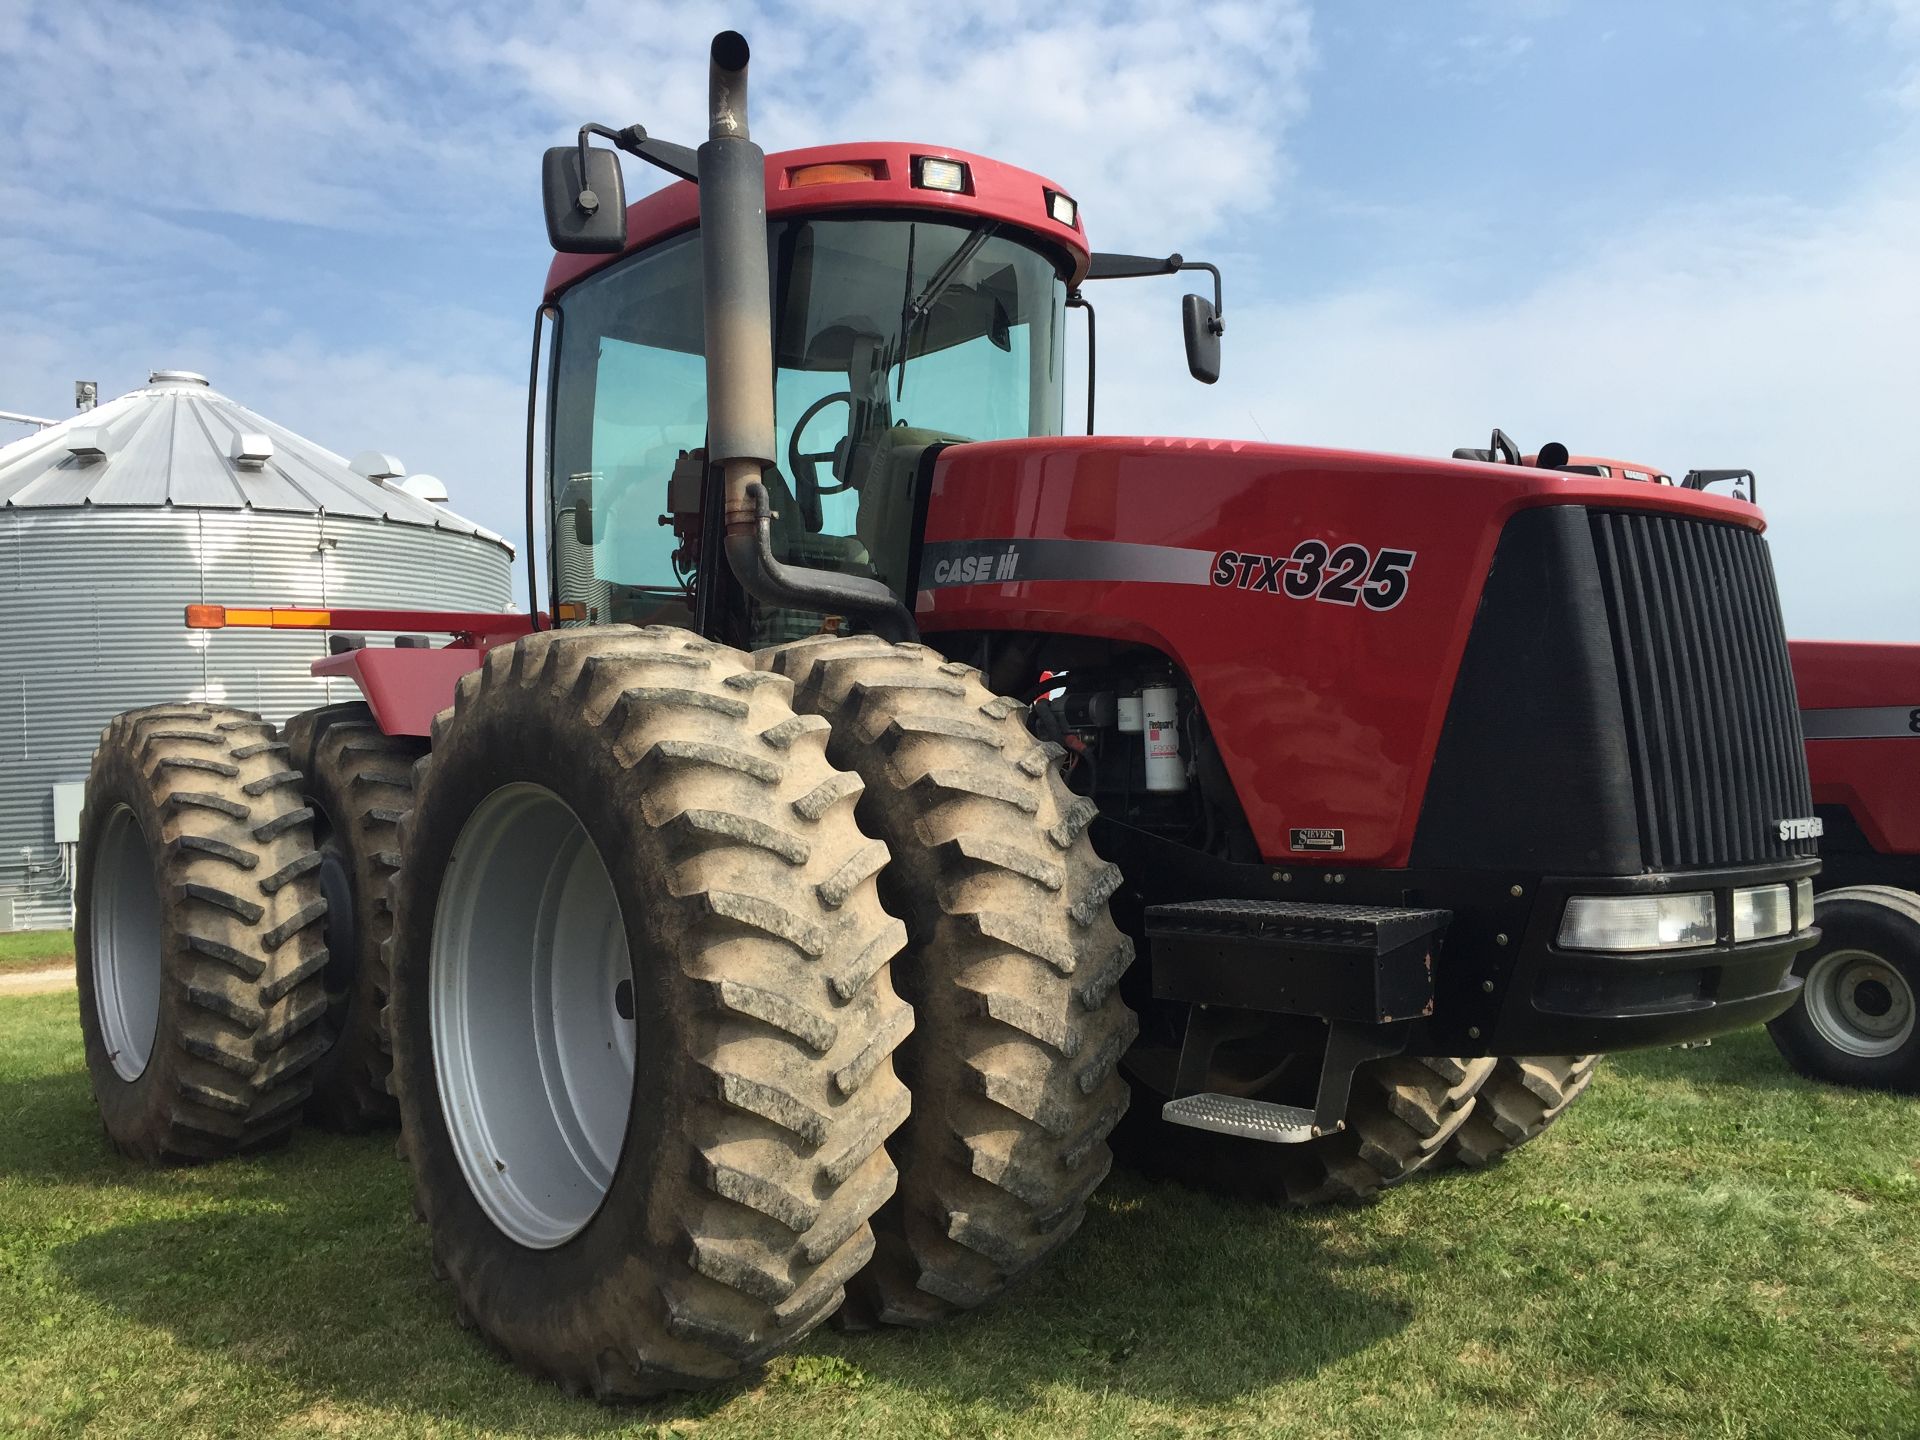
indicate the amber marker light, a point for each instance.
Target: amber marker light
{"x":569,"y":610}
{"x":225,"y":617}
{"x":836,"y":172}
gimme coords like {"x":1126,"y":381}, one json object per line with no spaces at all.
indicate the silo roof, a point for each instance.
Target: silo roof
{"x":179,"y":442}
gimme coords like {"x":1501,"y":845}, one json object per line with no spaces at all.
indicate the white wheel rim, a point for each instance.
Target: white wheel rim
{"x":1859,"y":1003}
{"x":124,"y":909}
{"x":528,"y":976}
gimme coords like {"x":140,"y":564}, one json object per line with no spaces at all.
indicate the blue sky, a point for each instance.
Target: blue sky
{"x":1681,"y":232}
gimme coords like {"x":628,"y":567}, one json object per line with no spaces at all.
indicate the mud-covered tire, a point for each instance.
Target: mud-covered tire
{"x":1855,"y":1020}
{"x":1401,"y":1115}
{"x":359,"y":783}
{"x":197,"y":934}
{"x":1011,"y":965}
{"x":1522,"y":1097}
{"x":751,"y":1154}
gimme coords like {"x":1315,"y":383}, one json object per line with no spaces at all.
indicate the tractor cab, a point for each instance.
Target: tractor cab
{"x":894,"y":334}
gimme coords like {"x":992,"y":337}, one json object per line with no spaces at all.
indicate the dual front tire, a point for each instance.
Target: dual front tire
{"x":642,"y":1012}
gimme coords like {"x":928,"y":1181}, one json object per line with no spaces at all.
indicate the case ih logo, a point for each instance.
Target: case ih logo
{"x":979,"y":568}
{"x":1349,"y":575}
{"x":1810,"y":828}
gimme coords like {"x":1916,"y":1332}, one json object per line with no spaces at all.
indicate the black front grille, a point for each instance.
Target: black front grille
{"x":1713,"y":727}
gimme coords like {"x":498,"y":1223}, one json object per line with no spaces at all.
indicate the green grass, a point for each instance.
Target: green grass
{"x":35,"y":949}
{"x":1708,"y":1246}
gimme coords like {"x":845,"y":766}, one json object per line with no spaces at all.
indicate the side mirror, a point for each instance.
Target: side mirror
{"x":586,"y":212}
{"x":578,"y":497}
{"x":1201,"y":324}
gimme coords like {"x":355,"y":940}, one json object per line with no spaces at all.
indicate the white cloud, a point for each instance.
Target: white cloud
{"x":1141,"y":111}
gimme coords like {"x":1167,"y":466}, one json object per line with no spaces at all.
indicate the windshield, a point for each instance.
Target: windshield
{"x":889,"y":336}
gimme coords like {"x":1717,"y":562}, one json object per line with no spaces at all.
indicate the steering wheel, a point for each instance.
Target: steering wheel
{"x":803,"y":465}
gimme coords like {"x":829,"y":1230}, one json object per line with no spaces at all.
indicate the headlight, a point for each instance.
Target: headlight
{"x":1762,"y":912}
{"x":1803,"y":903}
{"x":1637,"y":922}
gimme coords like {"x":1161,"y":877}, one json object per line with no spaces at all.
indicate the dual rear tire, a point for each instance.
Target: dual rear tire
{"x":197,"y":935}
{"x":358,"y":782}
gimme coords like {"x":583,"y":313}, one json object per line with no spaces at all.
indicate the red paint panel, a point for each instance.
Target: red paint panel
{"x":1326,"y":714}
{"x":405,"y":689}
{"x":1846,"y":674}
{"x":999,"y":192}
{"x":1877,"y":779}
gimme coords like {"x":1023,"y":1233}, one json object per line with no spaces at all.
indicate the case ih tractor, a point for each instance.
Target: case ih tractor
{"x":895,"y":784}
{"x":1854,"y":1021}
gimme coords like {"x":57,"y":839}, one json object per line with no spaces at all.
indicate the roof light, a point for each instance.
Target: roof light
{"x":835,"y":172}
{"x":1062,"y":208}
{"x":932,"y":173}
{"x":250,"y":451}
{"x":89,"y":443}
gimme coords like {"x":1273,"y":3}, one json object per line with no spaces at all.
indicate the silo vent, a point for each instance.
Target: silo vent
{"x":89,"y":444}
{"x":377,"y":465}
{"x":175,"y":377}
{"x":426,"y":487}
{"x":251,"y":450}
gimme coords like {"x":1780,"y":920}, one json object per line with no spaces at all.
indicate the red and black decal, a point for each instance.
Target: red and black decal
{"x":1339,"y":575}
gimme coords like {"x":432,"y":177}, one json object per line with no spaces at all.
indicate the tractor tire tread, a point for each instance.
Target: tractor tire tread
{"x":1011,"y":965}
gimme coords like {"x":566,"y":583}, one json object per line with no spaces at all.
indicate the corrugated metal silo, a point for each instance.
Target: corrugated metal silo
{"x":112,"y":521}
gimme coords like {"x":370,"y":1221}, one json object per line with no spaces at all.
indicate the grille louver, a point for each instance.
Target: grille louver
{"x":1712,"y":720}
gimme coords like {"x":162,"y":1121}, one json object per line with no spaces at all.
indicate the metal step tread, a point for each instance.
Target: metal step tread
{"x":1249,"y":1119}
{"x":1376,"y":927}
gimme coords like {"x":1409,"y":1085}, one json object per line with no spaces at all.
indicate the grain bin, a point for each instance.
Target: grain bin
{"x":113,"y":520}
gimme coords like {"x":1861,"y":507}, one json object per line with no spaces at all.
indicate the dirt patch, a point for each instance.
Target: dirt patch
{"x":37,"y":982}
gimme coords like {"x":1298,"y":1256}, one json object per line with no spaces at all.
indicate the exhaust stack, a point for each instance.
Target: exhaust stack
{"x":733,"y":250}
{"x":739,"y":342}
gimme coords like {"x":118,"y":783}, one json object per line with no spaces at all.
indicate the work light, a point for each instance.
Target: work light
{"x":933,"y":173}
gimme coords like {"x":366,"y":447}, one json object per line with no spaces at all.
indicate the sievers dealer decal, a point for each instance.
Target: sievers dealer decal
{"x":1317,"y":838}
{"x":1348,"y":575}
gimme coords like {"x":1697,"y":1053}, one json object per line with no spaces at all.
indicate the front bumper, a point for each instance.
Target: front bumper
{"x":1561,"y":1001}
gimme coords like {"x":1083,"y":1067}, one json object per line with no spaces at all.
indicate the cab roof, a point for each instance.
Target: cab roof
{"x":994,"y":191}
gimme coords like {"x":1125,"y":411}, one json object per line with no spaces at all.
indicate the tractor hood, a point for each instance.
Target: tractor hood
{"x":1325,"y":600}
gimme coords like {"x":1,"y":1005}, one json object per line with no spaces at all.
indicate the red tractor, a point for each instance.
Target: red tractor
{"x":894,"y":785}
{"x":1854,"y":1022}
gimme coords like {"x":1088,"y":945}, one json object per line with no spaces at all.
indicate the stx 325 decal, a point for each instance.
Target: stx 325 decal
{"x":1349,"y":575}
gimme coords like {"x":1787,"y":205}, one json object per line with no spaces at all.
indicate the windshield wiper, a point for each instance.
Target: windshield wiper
{"x":917,"y":309}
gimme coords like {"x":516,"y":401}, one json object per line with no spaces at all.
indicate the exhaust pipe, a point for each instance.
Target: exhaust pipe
{"x":733,"y":252}
{"x":739,"y":342}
